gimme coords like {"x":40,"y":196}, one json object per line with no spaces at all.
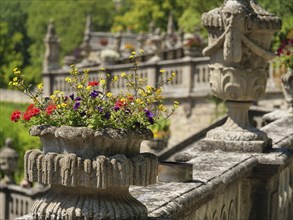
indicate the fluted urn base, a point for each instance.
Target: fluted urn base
{"x":236,"y":134}
{"x":88,"y":203}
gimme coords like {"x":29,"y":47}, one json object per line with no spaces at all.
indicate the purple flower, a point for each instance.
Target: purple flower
{"x":116,"y":108}
{"x":148,"y":113}
{"x":100,"y":109}
{"x":72,"y":97}
{"x":76,"y":105}
{"x":151,"y":121}
{"x":77,"y":99}
{"x":95,"y":93}
{"x":107,"y":115}
{"x":82,"y":113}
{"x":150,"y":116}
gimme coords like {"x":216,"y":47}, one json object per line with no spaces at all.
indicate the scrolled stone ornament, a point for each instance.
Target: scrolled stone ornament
{"x":240,"y":34}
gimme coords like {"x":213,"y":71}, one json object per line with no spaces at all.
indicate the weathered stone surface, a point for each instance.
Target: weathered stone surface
{"x":87,"y":143}
{"x":93,"y":168}
{"x":88,"y":203}
{"x":101,"y":172}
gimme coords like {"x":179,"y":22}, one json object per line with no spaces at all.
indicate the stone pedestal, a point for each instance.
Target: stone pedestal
{"x":89,"y":180}
{"x":240,"y":33}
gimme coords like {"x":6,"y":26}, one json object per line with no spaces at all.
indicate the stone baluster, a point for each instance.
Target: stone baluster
{"x":8,"y":162}
{"x":240,"y":34}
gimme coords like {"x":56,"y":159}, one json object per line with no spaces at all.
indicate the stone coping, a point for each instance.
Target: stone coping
{"x":213,"y":172}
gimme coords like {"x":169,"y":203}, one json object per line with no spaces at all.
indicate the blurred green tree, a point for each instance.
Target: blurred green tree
{"x":14,"y":41}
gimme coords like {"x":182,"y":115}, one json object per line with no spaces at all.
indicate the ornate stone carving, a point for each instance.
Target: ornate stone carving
{"x":92,"y":168}
{"x":240,"y":33}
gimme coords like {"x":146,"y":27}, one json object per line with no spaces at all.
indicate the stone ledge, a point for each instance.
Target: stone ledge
{"x":101,"y":172}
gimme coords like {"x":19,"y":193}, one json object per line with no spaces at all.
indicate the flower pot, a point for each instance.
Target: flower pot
{"x":90,"y":172}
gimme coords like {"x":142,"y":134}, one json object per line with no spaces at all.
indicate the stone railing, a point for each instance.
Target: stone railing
{"x":191,"y":77}
{"x":16,"y":201}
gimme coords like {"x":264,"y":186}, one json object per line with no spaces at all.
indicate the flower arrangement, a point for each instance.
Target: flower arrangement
{"x":93,"y":105}
{"x":285,"y":51}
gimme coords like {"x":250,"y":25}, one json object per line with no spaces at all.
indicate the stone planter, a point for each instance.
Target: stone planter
{"x":89,"y":172}
{"x":240,"y":33}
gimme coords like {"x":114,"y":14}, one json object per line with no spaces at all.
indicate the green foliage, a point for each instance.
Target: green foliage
{"x":143,"y":12}
{"x":14,"y":41}
{"x":18,"y":132}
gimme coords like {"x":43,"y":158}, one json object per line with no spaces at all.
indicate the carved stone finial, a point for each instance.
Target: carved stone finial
{"x":240,"y":34}
{"x":51,"y":59}
{"x":171,"y":25}
{"x":8,"y":162}
{"x":85,"y":46}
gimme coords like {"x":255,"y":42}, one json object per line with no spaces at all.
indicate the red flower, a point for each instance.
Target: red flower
{"x":130,"y":98}
{"x":30,"y":112}
{"x":50,"y":109}
{"x":120,"y":103}
{"x":93,"y":83}
{"x":15,"y":116}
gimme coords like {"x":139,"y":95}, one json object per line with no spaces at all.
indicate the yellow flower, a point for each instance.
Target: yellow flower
{"x":149,"y":89}
{"x":15,"y":84}
{"x":123,"y":75}
{"x":162,"y":70}
{"x":173,"y":74}
{"x":40,"y":86}
{"x":14,"y":79}
{"x":80,"y":86}
{"x":56,"y":92}
{"x":162,"y":108}
{"x":68,"y":79}
{"x":133,"y":52}
{"x":88,"y":88}
{"x":63,"y":105}
{"x":176,"y":104}
{"x":16,"y":71}
{"x":109,"y":95}
{"x":102,"y":69}
{"x":158,"y":91}
{"x":141,"y":51}
{"x":139,"y":101}
{"x":115,"y":78}
{"x":131,"y":57}
{"x":52,"y":97}
{"x":103,"y":82}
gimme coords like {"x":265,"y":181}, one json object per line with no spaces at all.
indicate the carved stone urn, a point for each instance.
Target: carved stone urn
{"x":240,"y":34}
{"x":89,"y":172}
